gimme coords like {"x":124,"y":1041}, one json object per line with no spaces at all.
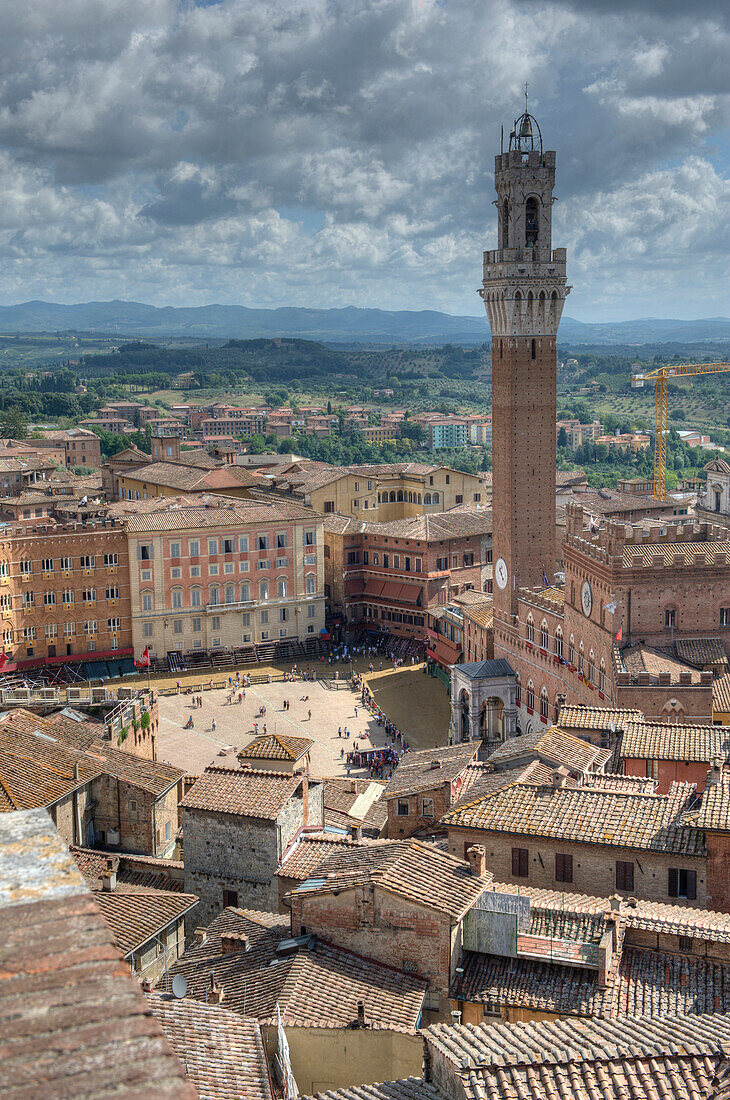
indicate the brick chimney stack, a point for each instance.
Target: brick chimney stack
{"x":477,"y":859}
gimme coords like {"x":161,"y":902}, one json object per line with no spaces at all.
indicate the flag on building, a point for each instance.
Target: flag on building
{"x":620,"y":634}
{"x":144,"y":661}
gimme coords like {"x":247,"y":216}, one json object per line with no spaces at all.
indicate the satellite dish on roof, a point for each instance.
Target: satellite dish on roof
{"x":179,"y":986}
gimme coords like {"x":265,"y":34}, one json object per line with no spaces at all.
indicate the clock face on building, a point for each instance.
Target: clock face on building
{"x":586,"y":598}
{"x":500,"y":572}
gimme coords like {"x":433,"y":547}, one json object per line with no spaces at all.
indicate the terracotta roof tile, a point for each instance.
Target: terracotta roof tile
{"x":712,"y":811}
{"x":350,"y":802}
{"x":638,"y":555}
{"x":412,"y":869}
{"x":701,"y":651}
{"x":242,"y":791}
{"x":657,"y":741}
{"x":596,"y":718}
{"x":626,"y":819}
{"x":276,"y":746}
{"x":60,"y":731}
{"x":73,"y":1022}
{"x":553,"y":745}
{"x":223,"y":512}
{"x":314,"y":983}
{"x":721,"y":694}
{"x":311,"y":850}
{"x":134,"y":872}
{"x":135,"y":917}
{"x":37,"y":771}
{"x":672,"y":1058}
{"x":222,"y":1051}
{"x":408,"y":1088}
{"x":428,"y":768}
{"x":642,"y":658}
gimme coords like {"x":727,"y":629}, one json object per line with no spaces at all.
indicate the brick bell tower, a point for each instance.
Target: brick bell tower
{"x":524,"y":289}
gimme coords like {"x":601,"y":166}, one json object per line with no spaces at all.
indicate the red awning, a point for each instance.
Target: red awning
{"x":391,"y":590}
{"x":409,"y":593}
{"x":375,"y":588}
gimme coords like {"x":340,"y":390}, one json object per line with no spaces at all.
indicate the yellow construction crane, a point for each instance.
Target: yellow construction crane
{"x":660,"y":377}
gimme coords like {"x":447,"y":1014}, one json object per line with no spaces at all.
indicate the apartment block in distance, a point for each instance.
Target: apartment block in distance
{"x":225,"y":574}
{"x":64,"y":593}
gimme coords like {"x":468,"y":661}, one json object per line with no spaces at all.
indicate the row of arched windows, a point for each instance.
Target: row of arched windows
{"x":403,"y":496}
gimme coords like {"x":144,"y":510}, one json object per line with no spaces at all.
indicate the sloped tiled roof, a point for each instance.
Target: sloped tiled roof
{"x":596,"y":718}
{"x":721,"y":694}
{"x":480,"y":779}
{"x":411,"y":869}
{"x":571,"y":1040}
{"x":153,"y":776}
{"x":134,"y":872}
{"x":73,"y":1021}
{"x":245,"y":792}
{"x":350,"y":802}
{"x":553,"y":745}
{"x":665,"y":1059}
{"x":35,"y":771}
{"x":713,"y":811}
{"x":222,"y":1051}
{"x":276,"y":746}
{"x":638,"y":555}
{"x":222,"y":512}
{"x":135,"y":917}
{"x":660,"y":741}
{"x":314,"y":983}
{"x":588,"y":816}
{"x":408,"y":1088}
{"x":428,"y":768}
{"x":312,"y":849}
{"x":642,"y":658}
{"x":701,"y":651}
{"x":651,"y":916}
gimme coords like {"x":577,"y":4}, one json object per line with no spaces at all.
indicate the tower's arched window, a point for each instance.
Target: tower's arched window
{"x":505,"y":224}
{"x":532,"y":218}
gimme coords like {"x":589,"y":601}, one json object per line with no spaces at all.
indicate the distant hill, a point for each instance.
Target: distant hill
{"x":348,"y":325}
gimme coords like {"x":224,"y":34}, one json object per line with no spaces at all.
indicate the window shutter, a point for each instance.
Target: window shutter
{"x":691,"y":885}
{"x":673,"y":885}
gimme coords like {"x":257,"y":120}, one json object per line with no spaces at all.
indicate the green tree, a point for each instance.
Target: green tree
{"x":13,"y":423}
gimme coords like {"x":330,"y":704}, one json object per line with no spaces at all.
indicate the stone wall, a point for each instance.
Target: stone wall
{"x":594,"y":866}
{"x":383,"y":927}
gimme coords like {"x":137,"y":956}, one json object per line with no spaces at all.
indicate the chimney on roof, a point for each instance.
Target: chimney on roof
{"x":356,"y":832}
{"x":234,"y":943}
{"x":477,"y":859}
{"x":455,"y":1016}
{"x":214,"y":995}
{"x":109,"y":880}
{"x":435,"y":765}
{"x":714,"y":775}
{"x":361,"y":1014}
{"x":560,"y":776}
{"x":200,"y":935}
{"x":76,"y":771}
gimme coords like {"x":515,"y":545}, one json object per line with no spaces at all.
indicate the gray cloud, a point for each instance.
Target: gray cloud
{"x":341,"y":152}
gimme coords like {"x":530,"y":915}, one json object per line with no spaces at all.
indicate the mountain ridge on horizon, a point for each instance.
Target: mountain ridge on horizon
{"x":345,"y":324}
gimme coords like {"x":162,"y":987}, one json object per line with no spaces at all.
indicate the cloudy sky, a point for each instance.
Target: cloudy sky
{"x":340,"y":152}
